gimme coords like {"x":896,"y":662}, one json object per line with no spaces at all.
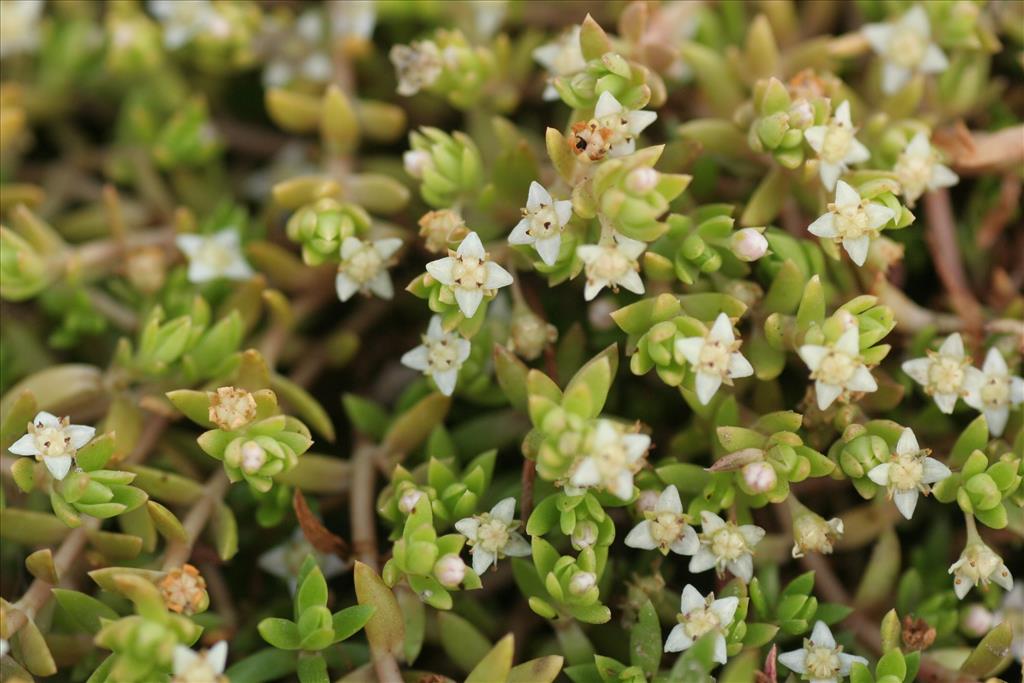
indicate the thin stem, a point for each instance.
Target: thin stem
{"x":178,"y":552}
{"x":361,"y":505}
{"x":942,"y":242}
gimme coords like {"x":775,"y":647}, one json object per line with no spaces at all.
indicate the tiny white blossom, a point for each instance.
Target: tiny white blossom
{"x":906,"y":48}
{"x":993,"y":391}
{"x":715,"y":358}
{"x":979,"y":564}
{"x":440,"y":356}
{"x":699,"y":616}
{"x":837,"y":368}
{"x":469,"y":274}
{"x":919,"y":170}
{"x":908,"y":473}
{"x":612,"y":264}
{"x":542,"y":223}
{"x":560,"y":57}
{"x":200,"y":667}
{"x":820,"y":660}
{"x":725,"y":545}
{"x":53,"y":441}
{"x":836,"y":146}
{"x":364,"y":267}
{"x":812,"y":534}
{"x":942,"y":373}
{"x":624,"y":124}
{"x":450,"y":570}
{"x":612,"y":457}
{"x":748,"y":244}
{"x":214,"y":256}
{"x":852,"y":221}
{"x":285,"y":560}
{"x":419,"y":65}
{"x":19,"y":30}
{"x":665,"y":527}
{"x":493,"y":535}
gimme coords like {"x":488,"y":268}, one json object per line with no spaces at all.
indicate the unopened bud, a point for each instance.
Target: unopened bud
{"x":530,"y":334}
{"x":801,"y":114}
{"x":439,"y":228}
{"x":450,"y":570}
{"x":748,"y":244}
{"x":581,"y":582}
{"x":416,"y":162}
{"x":146,"y":269}
{"x":253,"y":457}
{"x":642,"y":180}
{"x":408,"y":501}
{"x":975,"y":621}
{"x":759,"y":477}
{"x":599,"y":313}
{"x":813,"y":534}
{"x":584,"y":535}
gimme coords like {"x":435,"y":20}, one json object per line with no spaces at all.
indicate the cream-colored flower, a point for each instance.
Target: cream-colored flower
{"x":812,"y":534}
{"x":837,"y":368}
{"x":612,"y":264}
{"x":919,"y":170}
{"x":908,"y":473}
{"x":215,"y":256}
{"x":665,"y":527}
{"x":53,"y":441}
{"x":611,"y":457}
{"x":979,"y":564}
{"x":418,"y":65}
{"x":699,"y":616}
{"x":942,"y":373}
{"x":560,"y":57}
{"x":725,"y":545}
{"x":715,"y":358}
{"x":440,"y":356}
{"x":200,"y":667}
{"x":469,"y":274}
{"x":836,"y":146}
{"x":19,"y":30}
{"x":493,"y":535}
{"x":906,"y":48}
{"x":364,"y":267}
{"x":542,"y":223}
{"x":231,"y":408}
{"x":852,"y":222}
{"x":993,"y":391}
{"x":284,"y":561}
{"x":439,"y":228}
{"x":625,"y":124}
{"x":820,"y":660}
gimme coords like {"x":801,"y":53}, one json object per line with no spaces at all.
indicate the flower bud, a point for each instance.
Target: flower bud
{"x":599,"y":313}
{"x":642,"y":180}
{"x":440,"y":228}
{"x":811,"y":533}
{"x":759,"y":477}
{"x":584,"y":535}
{"x":975,"y":621}
{"x":408,"y":501}
{"x":801,"y":114}
{"x":184,"y":590}
{"x":146,"y":269}
{"x":416,"y":162}
{"x":530,"y":334}
{"x":581,"y":582}
{"x":253,"y":457}
{"x":748,"y":244}
{"x":450,"y":570}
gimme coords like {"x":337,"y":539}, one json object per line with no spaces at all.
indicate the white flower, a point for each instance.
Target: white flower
{"x":53,"y":441}
{"x":908,"y":473}
{"x":364,"y":268}
{"x":725,"y":545}
{"x":905,"y":47}
{"x":979,"y":564}
{"x":19,"y":30}
{"x":561,"y":57}
{"x":352,"y":19}
{"x":837,"y":368}
{"x":820,"y":660}
{"x":852,"y":221}
{"x":612,"y":264}
{"x":748,"y":244}
{"x":811,"y":533}
{"x":418,"y":64}
{"x":715,"y":358}
{"x":214,"y":256}
{"x":542,"y":223}
{"x":918,"y":169}
{"x":613,"y":455}
{"x":285,"y":560}
{"x":836,"y":146}
{"x":665,"y":527}
{"x":942,"y":373}
{"x":492,"y":535}
{"x":699,"y":616}
{"x":182,"y":21}
{"x":200,"y":667}
{"x":439,"y":356}
{"x":624,"y":124}
{"x":469,"y":274}
{"x":993,"y":391}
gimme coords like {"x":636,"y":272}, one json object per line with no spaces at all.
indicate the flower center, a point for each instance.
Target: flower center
{"x":543,"y":222}
{"x":231,"y":408}
{"x":714,"y":358}
{"x":728,"y":544}
{"x":700,"y":621}
{"x":906,"y":49}
{"x":364,"y":264}
{"x":591,"y":139}
{"x":946,"y":375}
{"x":441,"y":354}
{"x":469,"y":272}
{"x":214,"y":256}
{"x":851,"y":221}
{"x":52,"y":441}
{"x":611,"y":459}
{"x":611,"y":265}
{"x":836,"y":368}
{"x":914,"y":172}
{"x":666,"y":527}
{"x":182,"y":589}
{"x":837,"y":143}
{"x":822,"y":662}
{"x":492,"y":535}
{"x":906,"y":472}
{"x":996,"y":391}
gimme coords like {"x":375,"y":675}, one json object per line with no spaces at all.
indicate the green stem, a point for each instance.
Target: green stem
{"x":574,"y":642}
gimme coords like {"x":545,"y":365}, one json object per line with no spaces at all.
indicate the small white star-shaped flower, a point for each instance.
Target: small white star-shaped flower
{"x":993,"y":391}
{"x":852,"y":222}
{"x":53,"y":441}
{"x":699,"y":616}
{"x":542,"y":223}
{"x":625,"y":124}
{"x":440,"y":356}
{"x":836,"y":146}
{"x":284,"y":561}
{"x":612,"y":457}
{"x":906,"y":48}
{"x":979,"y":564}
{"x":820,"y":660}
{"x":665,"y":527}
{"x":417,"y":65}
{"x":469,"y":274}
{"x":560,"y":57}
{"x":919,"y":170}
{"x":200,"y":667}
{"x":837,"y":368}
{"x":364,"y":267}
{"x":215,"y":256}
{"x":908,"y":473}
{"x":942,"y":373}
{"x":715,"y":358}
{"x":725,"y":545}
{"x":492,"y":535}
{"x":612,"y":264}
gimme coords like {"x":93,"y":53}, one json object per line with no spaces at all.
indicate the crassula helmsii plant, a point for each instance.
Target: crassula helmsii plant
{"x":498,"y":341}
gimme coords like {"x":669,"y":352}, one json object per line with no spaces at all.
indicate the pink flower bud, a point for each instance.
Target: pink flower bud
{"x":759,"y":477}
{"x":976,"y":621}
{"x":599,"y":313}
{"x":642,"y":180}
{"x":581,"y":582}
{"x":416,"y":162}
{"x":749,"y":244}
{"x":450,"y":570}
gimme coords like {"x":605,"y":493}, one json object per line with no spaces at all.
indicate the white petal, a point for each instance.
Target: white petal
{"x":742,"y":567}
{"x":706,"y":385}
{"x":517,"y":546}
{"x":945,"y":402}
{"x":504,"y":509}
{"x":471,"y":246}
{"x":917,"y":369}
{"x":537,"y":197}
{"x":752,"y":534}
{"x":862,"y":380}
{"x":586,"y":474}
{"x":822,"y":636}
{"x":46,"y":419}
{"x":80,"y":435}
{"x":994,"y":363}
{"x":345,"y":286}
{"x":274,"y":561}
{"x":878,"y":215}
{"x":702,"y":561}
{"x":815,"y":136}
{"x":722,"y":330}
{"x":387,"y":247}
{"x":622,"y":487}
{"x":217,"y":656}
{"x":961,"y":586}
{"x":942,"y":176}
{"x":519,"y":234}
{"x":812,"y":354}
{"x":689,"y":544}
{"x":996,"y":418}
{"x":640,"y":537}
{"x":183,"y":658}
{"x":829,"y":174}
{"x":435,"y":328}
{"x":894,"y":77}
{"x":631,"y":282}
{"x":445,"y":380}
{"x":880,"y":474}
{"x":606,"y":105}
{"x":878,"y":36}
{"x":907,"y":445}
{"x":711,"y":522}
{"x":592,"y":288}
{"x":842,"y":114}
{"x":824,"y":226}
{"x":563,"y":210}
{"x":721,"y":654}
{"x":739,"y":366}
{"x":906,"y":501}
{"x":849,"y":341}
{"x":934,"y":471}
{"x":441,"y":269}
{"x":639,"y":120}
{"x":468,"y":527}
{"x":915,"y":20}
{"x":59,"y":465}
{"x":826,"y":393}
{"x":934,"y":60}
{"x":629,"y":246}
{"x":795,"y":660}
{"x":1016,"y":390}
{"x":349,"y":246}
{"x":331,"y":565}
{"x":689,"y":348}
{"x":669,"y":501}
{"x":846,"y":196}
{"x":725,"y":609}
{"x":548,"y":249}
{"x":677,"y":640}
{"x":189,"y":244}
{"x":381,"y":285}
{"x":497,"y":277}
{"x":469,"y":300}
{"x":846,"y":662}
{"x":417,"y":359}
{"x":857,"y":248}
{"x":482,"y":560}
{"x":857,"y":152}
{"x":462,"y":349}
{"x":589,"y":253}
{"x":1004,"y":580}
{"x":26,"y":445}
{"x":690,"y":599}
{"x":919,"y":146}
